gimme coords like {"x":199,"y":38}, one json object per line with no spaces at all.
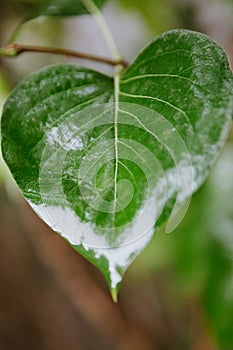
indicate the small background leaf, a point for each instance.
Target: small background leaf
{"x":63,"y":8}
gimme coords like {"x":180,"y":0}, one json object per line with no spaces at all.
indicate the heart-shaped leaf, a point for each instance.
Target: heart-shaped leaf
{"x":104,"y":161}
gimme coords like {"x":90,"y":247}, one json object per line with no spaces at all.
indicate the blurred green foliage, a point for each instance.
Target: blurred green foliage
{"x":158,"y":15}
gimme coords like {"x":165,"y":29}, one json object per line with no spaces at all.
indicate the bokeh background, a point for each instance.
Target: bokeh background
{"x":178,"y":294}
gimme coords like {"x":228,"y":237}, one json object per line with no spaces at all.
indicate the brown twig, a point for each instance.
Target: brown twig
{"x":13,"y":50}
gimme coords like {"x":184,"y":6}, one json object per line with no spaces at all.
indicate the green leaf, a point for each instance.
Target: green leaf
{"x":64,"y":8}
{"x":106,"y":161}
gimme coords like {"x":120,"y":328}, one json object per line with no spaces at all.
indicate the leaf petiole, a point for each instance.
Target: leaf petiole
{"x":103,"y":25}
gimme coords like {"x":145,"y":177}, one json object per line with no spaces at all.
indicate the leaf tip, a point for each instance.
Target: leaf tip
{"x":114,"y":293}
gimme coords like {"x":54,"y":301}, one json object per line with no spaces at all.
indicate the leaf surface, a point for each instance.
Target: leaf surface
{"x":106,"y":161}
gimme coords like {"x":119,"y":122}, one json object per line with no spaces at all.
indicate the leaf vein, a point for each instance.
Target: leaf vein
{"x":159,"y":100}
{"x":166,"y":76}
